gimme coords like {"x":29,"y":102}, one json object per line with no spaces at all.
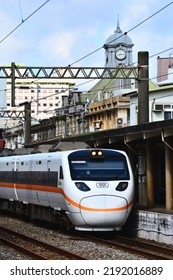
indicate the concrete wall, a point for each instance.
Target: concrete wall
{"x":154,"y":226}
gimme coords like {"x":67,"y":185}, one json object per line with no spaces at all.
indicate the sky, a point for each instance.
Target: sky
{"x":63,"y":32}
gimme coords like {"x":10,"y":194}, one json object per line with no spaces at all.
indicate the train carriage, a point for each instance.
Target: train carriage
{"x":93,"y":187}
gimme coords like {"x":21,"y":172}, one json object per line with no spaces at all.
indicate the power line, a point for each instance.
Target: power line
{"x":151,"y":16}
{"x":161,"y":52}
{"x":125,"y":33}
{"x":102,"y":46}
{"x":23,"y":20}
{"x":20,"y":8}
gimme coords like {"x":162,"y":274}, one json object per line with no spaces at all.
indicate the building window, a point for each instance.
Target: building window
{"x":167,"y":106}
{"x":168,"y":115}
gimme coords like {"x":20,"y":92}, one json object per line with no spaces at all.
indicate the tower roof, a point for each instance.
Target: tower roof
{"x":118,"y":38}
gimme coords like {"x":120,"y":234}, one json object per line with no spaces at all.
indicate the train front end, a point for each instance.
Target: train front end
{"x":100,"y":189}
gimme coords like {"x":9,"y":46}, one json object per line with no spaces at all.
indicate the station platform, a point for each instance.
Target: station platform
{"x":152,"y":224}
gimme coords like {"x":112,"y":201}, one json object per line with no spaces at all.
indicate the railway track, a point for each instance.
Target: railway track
{"x":138,"y":247}
{"x":109,"y":247}
{"x":33,"y":247}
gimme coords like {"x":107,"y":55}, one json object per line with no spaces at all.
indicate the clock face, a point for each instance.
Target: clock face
{"x":120,"y":54}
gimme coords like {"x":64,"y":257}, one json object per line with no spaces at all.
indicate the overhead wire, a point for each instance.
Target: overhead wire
{"x":92,"y":91}
{"x":125,"y":33}
{"x":20,"y":8}
{"x":24,"y":20}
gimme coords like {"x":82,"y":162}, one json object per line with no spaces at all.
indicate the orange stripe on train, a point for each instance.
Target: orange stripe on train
{"x":60,"y":191}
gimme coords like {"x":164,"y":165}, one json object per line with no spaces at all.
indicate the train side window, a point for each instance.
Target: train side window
{"x":61,"y":176}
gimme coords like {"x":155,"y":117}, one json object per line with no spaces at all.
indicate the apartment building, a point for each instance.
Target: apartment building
{"x":45,"y":95}
{"x":164,"y":68}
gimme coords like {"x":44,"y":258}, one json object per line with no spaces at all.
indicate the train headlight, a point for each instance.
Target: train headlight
{"x":97,"y":153}
{"x":122,"y":186}
{"x":82,"y":186}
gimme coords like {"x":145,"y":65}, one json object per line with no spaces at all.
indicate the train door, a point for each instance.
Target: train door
{"x":23,"y":179}
{"x":55,"y":194}
{"x":61,"y":192}
{"x":44,"y":181}
{"x":15,"y":167}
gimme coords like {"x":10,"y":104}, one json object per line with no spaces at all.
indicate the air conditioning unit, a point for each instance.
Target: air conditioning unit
{"x":158,"y":107}
{"x":97,"y":124}
{"x":119,"y":121}
{"x":92,"y":129}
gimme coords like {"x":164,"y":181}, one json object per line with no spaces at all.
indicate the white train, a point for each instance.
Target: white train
{"x":93,"y":187}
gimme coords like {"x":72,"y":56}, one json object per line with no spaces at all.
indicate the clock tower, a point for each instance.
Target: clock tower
{"x":118,"y":49}
{"x":118,"y":52}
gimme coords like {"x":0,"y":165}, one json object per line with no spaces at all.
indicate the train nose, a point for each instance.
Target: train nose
{"x":103,"y":211}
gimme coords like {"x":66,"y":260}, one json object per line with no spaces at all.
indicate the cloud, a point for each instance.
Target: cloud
{"x":16,"y":51}
{"x":62,"y":44}
{"x":59,"y":45}
{"x":65,"y":47}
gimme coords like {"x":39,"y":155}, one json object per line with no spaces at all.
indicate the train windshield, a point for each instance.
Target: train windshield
{"x":109,"y":165}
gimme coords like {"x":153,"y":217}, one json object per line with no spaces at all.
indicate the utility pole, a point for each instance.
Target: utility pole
{"x":143,"y":117}
{"x":12,"y":84}
{"x":27,"y":124}
{"x":143,"y":88}
{"x":38,"y":89}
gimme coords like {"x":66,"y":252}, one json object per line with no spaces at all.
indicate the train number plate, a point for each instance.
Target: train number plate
{"x":102,"y":185}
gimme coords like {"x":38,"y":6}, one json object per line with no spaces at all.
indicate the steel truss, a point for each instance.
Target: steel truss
{"x":12,"y":114}
{"x":26,"y":72}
